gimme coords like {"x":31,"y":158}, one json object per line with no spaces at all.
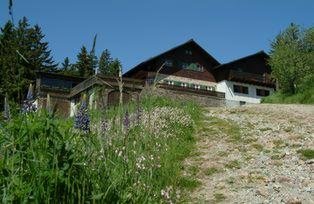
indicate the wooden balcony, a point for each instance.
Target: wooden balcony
{"x":246,"y":77}
{"x":192,"y":90}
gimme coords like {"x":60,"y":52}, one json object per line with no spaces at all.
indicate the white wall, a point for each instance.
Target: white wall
{"x":232,"y":98}
{"x":73,"y":108}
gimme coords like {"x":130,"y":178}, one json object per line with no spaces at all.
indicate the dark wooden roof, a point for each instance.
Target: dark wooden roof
{"x":252,"y":69}
{"x":190,"y":42}
{"x":59,"y":76}
{"x":234,"y":63}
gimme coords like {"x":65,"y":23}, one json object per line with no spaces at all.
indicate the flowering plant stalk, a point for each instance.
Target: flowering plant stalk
{"x":81,"y":119}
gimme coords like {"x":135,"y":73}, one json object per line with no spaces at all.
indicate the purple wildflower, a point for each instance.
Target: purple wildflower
{"x":126,"y":121}
{"x":81,"y":119}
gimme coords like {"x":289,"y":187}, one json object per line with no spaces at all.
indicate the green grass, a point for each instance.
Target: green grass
{"x":227,"y":127}
{"x":189,"y":183}
{"x":305,"y":97}
{"x":43,"y":159}
{"x":193,"y":170}
{"x":307,"y":153}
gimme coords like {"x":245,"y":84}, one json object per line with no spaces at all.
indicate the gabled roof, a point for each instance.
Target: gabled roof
{"x":99,"y":79}
{"x":59,"y":75}
{"x":242,"y":59}
{"x":189,"y":42}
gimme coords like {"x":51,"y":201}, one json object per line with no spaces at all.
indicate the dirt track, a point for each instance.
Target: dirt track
{"x":251,"y":154}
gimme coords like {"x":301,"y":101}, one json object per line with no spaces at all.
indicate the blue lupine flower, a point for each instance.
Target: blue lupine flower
{"x":81,"y":119}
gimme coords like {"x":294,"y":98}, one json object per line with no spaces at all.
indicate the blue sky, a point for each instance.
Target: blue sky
{"x":136,"y":30}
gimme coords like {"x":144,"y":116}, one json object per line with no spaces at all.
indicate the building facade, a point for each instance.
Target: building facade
{"x":185,"y":72}
{"x":245,"y":80}
{"x":188,"y":67}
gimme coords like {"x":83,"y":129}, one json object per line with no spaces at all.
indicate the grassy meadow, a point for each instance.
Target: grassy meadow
{"x":132,"y":154}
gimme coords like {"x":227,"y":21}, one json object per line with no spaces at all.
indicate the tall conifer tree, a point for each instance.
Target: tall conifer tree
{"x":83,"y":64}
{"x":105,"y":61}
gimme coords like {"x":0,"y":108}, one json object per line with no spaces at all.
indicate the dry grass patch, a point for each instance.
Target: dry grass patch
{"x":219,"y":197}
{"x":235,"y":164}
{"x":211,"y":170}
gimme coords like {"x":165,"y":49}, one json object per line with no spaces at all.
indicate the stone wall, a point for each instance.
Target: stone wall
{"x":204,"y":100}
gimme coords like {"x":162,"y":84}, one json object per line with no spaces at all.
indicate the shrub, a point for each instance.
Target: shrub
{"x":307,"y":153}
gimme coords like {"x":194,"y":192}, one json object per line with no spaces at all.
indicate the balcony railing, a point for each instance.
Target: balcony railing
{"x":249,"y":77}
{"x":192,"y":90}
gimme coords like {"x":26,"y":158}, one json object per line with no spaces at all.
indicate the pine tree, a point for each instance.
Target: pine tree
{"x":22,"y":52}
{"x":33,"y":47}
{"x":10,"y":68}
{"x":66,"y":64}
{"x":115,"y":67}
{"x":83,"y":64}
{"x":105,"y":61}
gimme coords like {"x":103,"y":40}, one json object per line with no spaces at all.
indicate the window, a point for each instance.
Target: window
{"x":262,"y":92}
{"x":197,"y":86}
{"x":192,"y":66}
{"x":188,"y":52}
{"x":240,"y":89}
{"x":210,"y":88}
{"x":184,"y":84}
{"x":167,"y":82}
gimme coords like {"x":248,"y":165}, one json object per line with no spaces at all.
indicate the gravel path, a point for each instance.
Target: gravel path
{"x":251,"y":154}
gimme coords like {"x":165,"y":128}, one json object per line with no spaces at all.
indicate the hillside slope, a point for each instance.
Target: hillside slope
{"x":254,"y":154}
